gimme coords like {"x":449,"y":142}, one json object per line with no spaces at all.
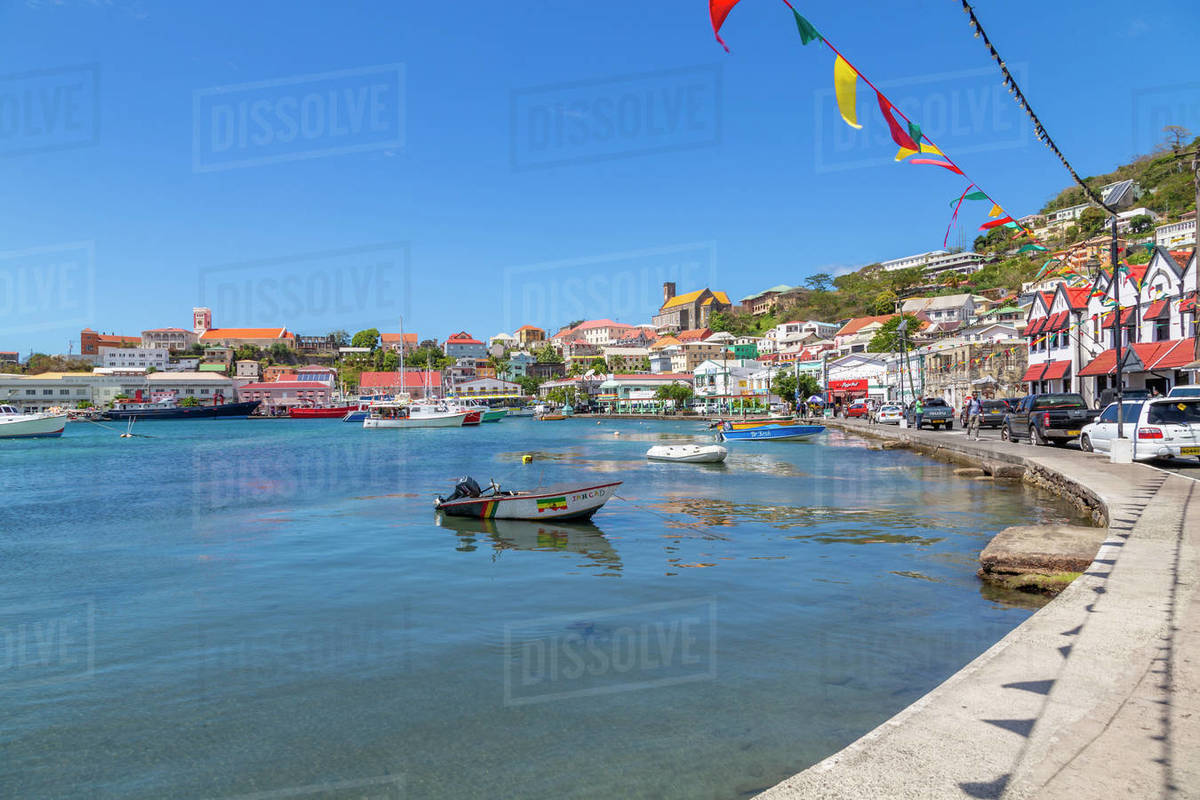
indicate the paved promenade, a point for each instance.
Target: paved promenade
{"x":1094,"y":696}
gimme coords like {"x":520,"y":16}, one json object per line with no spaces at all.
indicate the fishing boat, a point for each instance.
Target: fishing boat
{"x":168,"y":408}
{"x":519,"y":411}
{"x":775,"y":432}
{"x":577,"y":501}
{"x":550,"y":417}
{"x":688,"y":453}
{"x":486,"y":413}
{"x":744,"y":424}
{"x":318,"y":412}
{"x":395,"y":414}
{"x":43,"y":425}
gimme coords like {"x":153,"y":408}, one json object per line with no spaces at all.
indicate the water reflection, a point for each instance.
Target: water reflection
{"x":582,"y":538}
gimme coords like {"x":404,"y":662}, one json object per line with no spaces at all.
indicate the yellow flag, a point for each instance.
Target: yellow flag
{"x":996,"y":211}
{"x":905,"y":152}
{"x":845,"y":84}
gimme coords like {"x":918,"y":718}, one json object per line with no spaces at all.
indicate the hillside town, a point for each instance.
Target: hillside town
{"x":1053,"y":334}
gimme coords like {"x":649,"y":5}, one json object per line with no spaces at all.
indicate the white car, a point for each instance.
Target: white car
{"x":1165,"y":427}
{"x":1186,"y":390}
{"x":889,"y":414}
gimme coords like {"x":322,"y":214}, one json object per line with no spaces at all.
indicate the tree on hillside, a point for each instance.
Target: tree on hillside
{"x":1176,"y":135}
{"x":1141,"y":223}
{"x":887,"y":339}
{"x":366,"y":338}
{"x":885,"y":302}
{"x":547,"y":355}
{"x":820,"y":282}
{"x":1090,"y":222}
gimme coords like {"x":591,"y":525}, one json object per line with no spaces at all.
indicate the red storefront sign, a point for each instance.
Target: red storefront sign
{"x":854,"y":385}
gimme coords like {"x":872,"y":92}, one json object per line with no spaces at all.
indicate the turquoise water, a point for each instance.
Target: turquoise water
{"x":270,"y":609}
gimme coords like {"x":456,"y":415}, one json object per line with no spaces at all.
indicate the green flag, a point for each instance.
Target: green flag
{"x":914,"y":130}
{"x":807,"y":32}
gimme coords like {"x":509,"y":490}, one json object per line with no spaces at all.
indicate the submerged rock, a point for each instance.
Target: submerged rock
{"x":1039,"y":558}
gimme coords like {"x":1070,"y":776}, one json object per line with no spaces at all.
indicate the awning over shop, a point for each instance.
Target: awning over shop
{"x":1035,"y":327}
{"x":1034,"y":373}
{"x":1057,"y":322}
{"x":1143,"y":357}
{"x":1157,"y":310}
{"x":1126,"y":318}
{"x":1056,"y":370}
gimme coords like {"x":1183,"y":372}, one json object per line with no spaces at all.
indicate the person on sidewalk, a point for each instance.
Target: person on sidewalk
{"x":974,"y":417}
{"x":918,"y":411}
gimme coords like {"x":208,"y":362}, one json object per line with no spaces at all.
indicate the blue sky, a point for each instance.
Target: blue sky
{"x":482,"y":166}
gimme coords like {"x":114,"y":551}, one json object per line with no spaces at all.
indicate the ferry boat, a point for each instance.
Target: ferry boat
{"x":42,"y":425}
{"x":413,"y":415}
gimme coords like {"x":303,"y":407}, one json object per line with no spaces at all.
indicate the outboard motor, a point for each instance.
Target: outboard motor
{"x":466,"y":487}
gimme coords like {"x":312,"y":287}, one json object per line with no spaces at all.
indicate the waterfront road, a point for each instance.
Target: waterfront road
{"x":1097,"y":695}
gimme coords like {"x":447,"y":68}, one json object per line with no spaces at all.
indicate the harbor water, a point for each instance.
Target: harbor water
{"x":254,"y":609}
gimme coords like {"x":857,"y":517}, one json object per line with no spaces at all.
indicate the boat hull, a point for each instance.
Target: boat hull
{"x":494,"y":415}
{"x":356,"y":416}
{"x":566,"y":503}
{"x":186,"y":412}
{"x":333,"y":412}
{"x":688,"y":453}
{"x":441,"y":421}
{"x":35,"y":426}
{"x":772,"y":433}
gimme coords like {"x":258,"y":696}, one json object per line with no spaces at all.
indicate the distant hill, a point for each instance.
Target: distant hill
{"x":1165,"y":176}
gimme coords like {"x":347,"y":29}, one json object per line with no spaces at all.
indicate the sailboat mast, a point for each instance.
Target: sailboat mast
{"x":401,"y":358}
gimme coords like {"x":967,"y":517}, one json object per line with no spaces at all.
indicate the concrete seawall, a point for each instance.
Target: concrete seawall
{"x":1095,"y":695}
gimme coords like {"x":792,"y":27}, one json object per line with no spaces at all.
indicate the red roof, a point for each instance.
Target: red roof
{"x":1126,"y":318}
{"x":413,"y":378}
{"x":653,"y":376}
{"x":1188,"y":303}
{"x":462,"y":337}
{"x":695,"y":335}
{"x":167,"y":330}
{"x":1035,"y":327}
{"x":1034,"y":373}
{"x":1057,"y":322}
{"x":529,"y":328}
{"x":395,"y":337}
{"x":858,"y":323}
{"x":1182,"y":257}
{"x":1153,"y":355}
{"x":1078,"y":296}
{"x":1056,"y":370}
{"x":1156,"y":309}
{"x":246,"y":333}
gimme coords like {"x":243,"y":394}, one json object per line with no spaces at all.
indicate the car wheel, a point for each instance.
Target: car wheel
{"x":1036,"y":437}
{"x":1085,"y":444}
{"x":949,"y":426}
{"x":1005,"y":434}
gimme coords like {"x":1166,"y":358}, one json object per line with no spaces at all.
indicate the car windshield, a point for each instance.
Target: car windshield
{"x":935,"y":401}
{"x":995,"y":405}
{"x":1051,"y":401}
{"x":1175,"y":412}
{"x":1185,"y":391}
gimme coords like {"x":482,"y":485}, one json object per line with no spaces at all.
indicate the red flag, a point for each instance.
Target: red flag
{"x":899,"y":135}
{"x":719,"y":10}
{"x":935,"y":162}
{"x":995,"y":223}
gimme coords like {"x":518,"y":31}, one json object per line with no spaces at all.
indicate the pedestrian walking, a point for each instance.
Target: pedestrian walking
{"x":918,"y":411}
{"x":974,"y":417}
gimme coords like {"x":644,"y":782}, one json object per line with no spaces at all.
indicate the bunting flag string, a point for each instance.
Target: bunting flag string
{"x":954,"y":216}
{"x":908,"y":137}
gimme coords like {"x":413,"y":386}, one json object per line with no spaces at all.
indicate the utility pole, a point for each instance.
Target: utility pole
{"x":1196,"y":296}
{"x":1112,"y":250}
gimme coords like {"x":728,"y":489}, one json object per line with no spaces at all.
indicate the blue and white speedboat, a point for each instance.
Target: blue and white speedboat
{"x":773,"y":432}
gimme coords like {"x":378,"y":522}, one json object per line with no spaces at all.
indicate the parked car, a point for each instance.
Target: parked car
{"x":1047,"y":418}
{"x":1187,"y":390}
{"x":937,"y":414}
{"x":1167,"y":427}
{"x":1109,"y":396}
{"x":888,"y":414}
{"x":858,"y":409}
{"x":993,"y":413}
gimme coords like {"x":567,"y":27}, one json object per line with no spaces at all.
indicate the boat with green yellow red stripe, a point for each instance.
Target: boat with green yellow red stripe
{"x":576,"y":501}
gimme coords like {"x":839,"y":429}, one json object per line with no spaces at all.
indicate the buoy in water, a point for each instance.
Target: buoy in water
{"x":526,"y":459}
{"x":616,"y":433}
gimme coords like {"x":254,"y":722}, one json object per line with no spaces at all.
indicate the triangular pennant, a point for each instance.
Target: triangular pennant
{"x":995,"y":223}
{"x":936,"y":163}
{"x":718,"y":10}
{"x":996,"y":211}
{"x":845,"y":86}
{"x":905,"y":152}
{"x":899,"y":135}
{"x":807,"y":32}
{"x":914,"y":131}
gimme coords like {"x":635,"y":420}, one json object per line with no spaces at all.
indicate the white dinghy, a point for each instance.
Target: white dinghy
{"x":688,"y":453}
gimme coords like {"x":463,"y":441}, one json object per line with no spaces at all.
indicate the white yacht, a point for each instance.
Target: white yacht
{"x":15,"y":425}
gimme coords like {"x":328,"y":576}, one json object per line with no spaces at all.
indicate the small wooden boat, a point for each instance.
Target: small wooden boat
{"x":688,"y":453}
{"x":559,"y":503}
{"x":776,"y":431}
{"x":550,"y":417}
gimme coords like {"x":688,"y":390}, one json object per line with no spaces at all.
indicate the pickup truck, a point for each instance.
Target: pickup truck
{"x":1047,"y":419}
{"x":937,"y":413}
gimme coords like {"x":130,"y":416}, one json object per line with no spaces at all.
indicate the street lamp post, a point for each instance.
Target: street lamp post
{"x":1112,"y":250}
